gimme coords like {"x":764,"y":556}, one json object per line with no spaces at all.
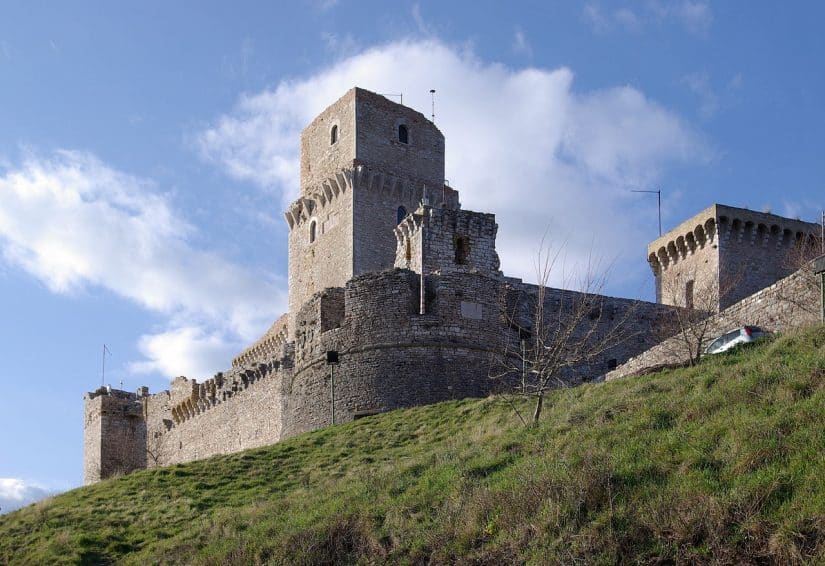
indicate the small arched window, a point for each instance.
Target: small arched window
{"x":400,"y":215}
{"x":312,"y":228}
{"x":403,"y":135}
{"x":333,"y":135}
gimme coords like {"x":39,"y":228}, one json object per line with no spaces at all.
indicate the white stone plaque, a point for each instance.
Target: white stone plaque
{"x":471,"y":310}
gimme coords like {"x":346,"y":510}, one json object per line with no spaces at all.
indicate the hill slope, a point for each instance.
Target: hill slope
{"x":723,"y":462}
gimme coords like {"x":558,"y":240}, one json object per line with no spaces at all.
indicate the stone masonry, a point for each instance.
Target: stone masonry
{"x":788,"y":303}
{"x":727,"y":252}
{"x":388,"y":271}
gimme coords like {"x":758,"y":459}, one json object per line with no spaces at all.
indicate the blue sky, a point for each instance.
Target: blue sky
{"x":147,"y":153}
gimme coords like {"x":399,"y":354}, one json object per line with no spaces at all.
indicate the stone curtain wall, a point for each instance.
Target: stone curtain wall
{"x":390,"y":357}
{"x":627,"y":323}
{"x":245,"y":412}
{"x":267,"y":346}
{"x":787,"y":303}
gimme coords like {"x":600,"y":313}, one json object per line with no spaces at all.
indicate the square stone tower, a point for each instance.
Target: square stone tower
{"x":366,"y":162}
{"x":724,"y":254}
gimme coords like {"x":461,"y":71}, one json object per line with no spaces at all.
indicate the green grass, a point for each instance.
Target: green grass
{"x":721,"y":463}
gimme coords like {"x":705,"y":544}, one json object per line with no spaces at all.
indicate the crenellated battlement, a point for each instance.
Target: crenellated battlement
{"x":191,"y":398}
{"x":268,"y":346}
{"x":402,"y":189}
{"x":727,"y":253}
{"x":720,"y":225}
{"x":319,"y":198}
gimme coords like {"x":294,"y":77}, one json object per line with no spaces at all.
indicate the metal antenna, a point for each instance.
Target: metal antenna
{"x":103,"y":369}
{"x":432,"y":96}
{"x":659,"y":198}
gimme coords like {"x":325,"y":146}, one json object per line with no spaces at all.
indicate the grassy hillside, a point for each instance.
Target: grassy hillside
{"x":724,"y":462}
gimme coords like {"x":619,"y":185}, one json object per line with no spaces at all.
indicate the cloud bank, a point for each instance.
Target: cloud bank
{"x":521,"y":143}
{"x":72,"y":222}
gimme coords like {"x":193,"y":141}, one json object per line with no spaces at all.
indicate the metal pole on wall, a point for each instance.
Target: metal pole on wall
{"x":332,"y":359}
{"x":332,"y":388}
{"x":822,"y":293}
{"x":659,"y":200}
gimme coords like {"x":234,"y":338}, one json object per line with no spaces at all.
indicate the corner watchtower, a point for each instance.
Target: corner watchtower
{"x":114,"y":435}
{"x":724,"y":254}
{"x":366,"y":162}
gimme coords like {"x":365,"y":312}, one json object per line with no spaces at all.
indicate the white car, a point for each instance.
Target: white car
{"x":741,"y":335}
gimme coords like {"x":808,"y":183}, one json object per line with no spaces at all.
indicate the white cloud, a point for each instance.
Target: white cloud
{"x":73,"y":222}
{"x":339,"y":45}
{"x":521,"y":143}
{"x":627,"y":18}
{"x":186,"y":350}
{"x":699,"y":84}
{"x":597,"y":18}
{"x":424,"y":28}
{"x":695,"y":16}
{"x":520,"y":44}
{"x":16,"y":493}
{"x":805,"y":209}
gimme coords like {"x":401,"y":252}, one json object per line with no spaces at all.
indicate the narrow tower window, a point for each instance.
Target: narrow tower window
{"x":400,"y":215}
{"x":462,"y":249}
{"x":403,"y":136}
{"x":689,"y":294}
{"x":333,"y":135}
{"x":312,"y":226}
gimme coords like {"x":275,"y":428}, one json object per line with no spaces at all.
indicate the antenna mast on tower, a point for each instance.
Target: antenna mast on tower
{"x":103,"y":369}
{"x":432,"y":97}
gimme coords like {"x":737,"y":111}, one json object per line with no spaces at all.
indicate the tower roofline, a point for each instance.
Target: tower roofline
{"x":716,"y":211}
{"x":358,"y":92}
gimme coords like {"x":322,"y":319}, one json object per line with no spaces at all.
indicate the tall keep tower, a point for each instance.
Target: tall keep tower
{"x":366,"y":162}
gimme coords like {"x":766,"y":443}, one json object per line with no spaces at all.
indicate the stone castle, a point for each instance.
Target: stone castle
{"x":396,"y":299}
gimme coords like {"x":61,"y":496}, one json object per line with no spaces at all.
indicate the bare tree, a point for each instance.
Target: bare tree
{"x":554,"y":336}
{"x":686,"y":331}
{"x":800,"y":259}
